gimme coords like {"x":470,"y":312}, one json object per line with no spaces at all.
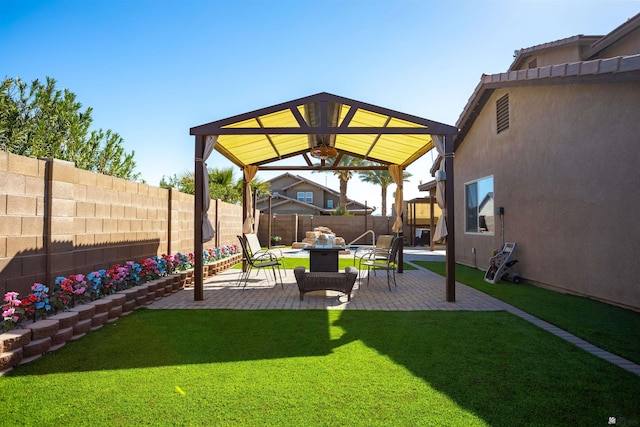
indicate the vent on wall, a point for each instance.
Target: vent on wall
{"x":502,"y":113}
{"x":533,"y":63}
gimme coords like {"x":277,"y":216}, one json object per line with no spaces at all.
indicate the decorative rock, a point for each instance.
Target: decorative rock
{"x":43,"y":329}
{"x":9,"y":359}
{"x":85,"y":311}
{"x":61,"y":338}
{"x":81,"y":328}
{"x":14,"y":339}
{"x":66,"y":319}
{"x":130,"y":294}
{"x":117,"y":300}
{"x":159,"y":292}
{"x":151,"y":297}
{"x":152,"y":286}
{"x":177,"y":283}
{"x":128,"y":307}
{"x":98,"y":320}
{"x":35,"y":349}
{"x":114,"y":313}
{"x":168,"y":287}
{"x":102,"y":305}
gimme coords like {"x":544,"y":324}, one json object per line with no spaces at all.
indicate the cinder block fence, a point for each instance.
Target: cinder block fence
{"x":58,"y":220}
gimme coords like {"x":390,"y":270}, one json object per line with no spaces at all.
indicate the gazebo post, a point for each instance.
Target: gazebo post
{"x":451,"y":236}
{"x":198,"y":286}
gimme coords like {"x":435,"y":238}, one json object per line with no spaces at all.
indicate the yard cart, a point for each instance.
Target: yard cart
{"x":500,"y":265}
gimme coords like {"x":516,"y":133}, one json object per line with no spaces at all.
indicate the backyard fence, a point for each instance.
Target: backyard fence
{"x":58,"y":220}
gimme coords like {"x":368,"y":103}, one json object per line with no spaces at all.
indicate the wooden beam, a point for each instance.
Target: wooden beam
{"x":319,"y":130}
{"x":198,"y":287}
{"x":451,"y":224}
{"x":320,"y":168}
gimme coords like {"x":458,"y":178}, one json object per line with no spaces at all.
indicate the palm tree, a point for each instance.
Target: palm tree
{"x":344,"y":176}
{"x":383,"y":179}
{"x":259,"y":187}
{"x":222,"y":184}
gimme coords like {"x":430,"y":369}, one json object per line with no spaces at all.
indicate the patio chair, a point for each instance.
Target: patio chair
{"x":389,"y":264}
{"x":380,"y":251}
{"x":259,"y":254}
{"x":267,"y":262}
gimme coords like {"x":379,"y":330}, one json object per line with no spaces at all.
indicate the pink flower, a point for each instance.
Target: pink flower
{"x":8,"y":312}
{"x":10,"y":296}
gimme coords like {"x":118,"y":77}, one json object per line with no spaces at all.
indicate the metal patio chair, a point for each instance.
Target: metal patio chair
{"x":259,"y":254}
{"x":270,"y":262}
{"x":389,"y":264}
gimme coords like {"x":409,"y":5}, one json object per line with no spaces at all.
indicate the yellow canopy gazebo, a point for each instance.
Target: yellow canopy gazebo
{"x":326,"y":127}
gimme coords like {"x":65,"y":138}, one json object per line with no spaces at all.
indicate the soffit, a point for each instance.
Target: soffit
{"x":353,"y":128}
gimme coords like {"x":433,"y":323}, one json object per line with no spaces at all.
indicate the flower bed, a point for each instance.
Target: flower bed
{"x":50,"y":316}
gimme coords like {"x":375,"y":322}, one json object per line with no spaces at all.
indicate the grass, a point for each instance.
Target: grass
{"x":609,"y":327}
{"x":343,"y":262}
{"x":316,"y":367}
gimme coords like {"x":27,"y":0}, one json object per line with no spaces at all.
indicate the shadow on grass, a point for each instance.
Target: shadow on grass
{"x":491,"y":364}
{"x":498,"y":366}
{"x":154,"y":338}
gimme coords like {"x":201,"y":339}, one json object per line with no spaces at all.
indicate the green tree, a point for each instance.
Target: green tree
{"x":222,"y":184}
{"x":383,"y":179}
{"x":39,"y":120}
{"x":183,"y":182}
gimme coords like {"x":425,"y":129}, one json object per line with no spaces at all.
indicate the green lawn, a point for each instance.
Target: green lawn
{"x":606,"y":326}
{"x":316,"y":367}
{"x":343,"y":262}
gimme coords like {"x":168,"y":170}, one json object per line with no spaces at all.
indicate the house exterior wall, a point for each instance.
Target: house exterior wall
{"x":566,"y":173}
{"x":76,"y":221}
{"x":569,"y":53}
{"x":629,"y":45}
{"x":288,"y":185}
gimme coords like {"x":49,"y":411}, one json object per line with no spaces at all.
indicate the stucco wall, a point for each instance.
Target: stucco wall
{"x":629,"y":45}
{"x":556,"y":56}
{"x":59,"y":219}
{"x":566,"y":173}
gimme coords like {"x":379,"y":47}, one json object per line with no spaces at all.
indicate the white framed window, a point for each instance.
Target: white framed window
{"x":479,"y":206}
{"x":305,"y":196}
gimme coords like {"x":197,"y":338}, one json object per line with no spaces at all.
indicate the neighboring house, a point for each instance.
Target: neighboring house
{"x":294,"y":194}
{"x":554,"y":144}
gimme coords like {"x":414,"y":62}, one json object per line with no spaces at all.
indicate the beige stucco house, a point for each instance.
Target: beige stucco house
{"x":294,"y":194}
{"x":554,"y":144}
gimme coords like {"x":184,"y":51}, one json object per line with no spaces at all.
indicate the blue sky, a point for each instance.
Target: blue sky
{"x":151,"y":70}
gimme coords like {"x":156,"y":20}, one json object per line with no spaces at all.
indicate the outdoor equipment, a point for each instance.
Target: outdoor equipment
{"x":500,"y":265}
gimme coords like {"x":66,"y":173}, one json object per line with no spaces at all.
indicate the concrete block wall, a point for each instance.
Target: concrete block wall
{"x":227,"y":222}
{"x":22,"y":248}
{"x":292,"y":228}
{"x":57,"y":220}
{"x":181,"y":222}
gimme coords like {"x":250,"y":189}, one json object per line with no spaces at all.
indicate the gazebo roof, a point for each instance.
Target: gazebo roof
{"x":331,"y":127}
{"x":351,"y":127}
